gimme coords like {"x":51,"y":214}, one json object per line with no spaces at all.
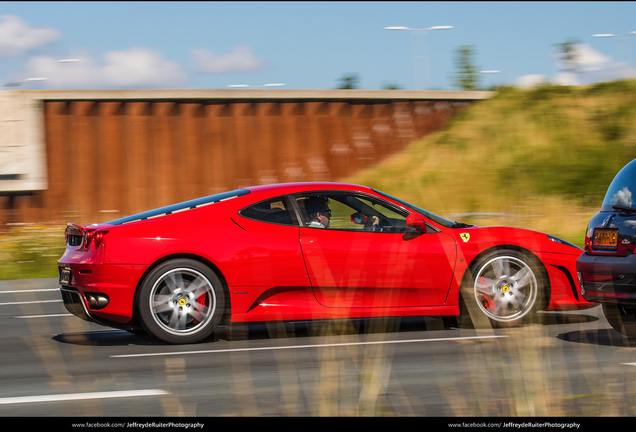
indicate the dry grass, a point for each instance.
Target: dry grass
{"x":30,"y":251}
{"x":539,"y":159}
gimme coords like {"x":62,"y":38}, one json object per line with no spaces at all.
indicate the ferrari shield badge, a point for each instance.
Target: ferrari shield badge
{"x":465,"y":237}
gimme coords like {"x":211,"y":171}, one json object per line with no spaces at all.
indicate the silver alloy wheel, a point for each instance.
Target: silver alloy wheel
{"x":506,"y":288}
{"x":182,"y":301}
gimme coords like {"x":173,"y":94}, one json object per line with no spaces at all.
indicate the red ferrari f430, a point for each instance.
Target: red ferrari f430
{"x":306,"y":251}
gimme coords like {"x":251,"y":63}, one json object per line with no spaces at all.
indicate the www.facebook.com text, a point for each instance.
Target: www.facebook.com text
{"x":140,"y":425}
{"x":518,"y":425}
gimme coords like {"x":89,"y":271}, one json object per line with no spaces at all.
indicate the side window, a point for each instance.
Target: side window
{"x":351,"y":212}
{"x":277,"y":210}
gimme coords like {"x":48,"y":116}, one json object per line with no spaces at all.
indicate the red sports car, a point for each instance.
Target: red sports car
{"x":302,"y":251}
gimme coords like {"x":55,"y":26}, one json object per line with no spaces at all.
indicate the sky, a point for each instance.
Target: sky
{"x":307,"y":45}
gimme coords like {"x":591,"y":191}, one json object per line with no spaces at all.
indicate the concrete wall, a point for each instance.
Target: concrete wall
{"x":22,"y":144}
{"x":114,"y":153}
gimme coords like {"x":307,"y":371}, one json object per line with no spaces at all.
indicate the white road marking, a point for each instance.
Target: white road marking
{"x":303,"y":346}
{"x":81,"y":396}
{"x":42,"y":316}
{"x":30,"y":302}
{"x":26,"y":291}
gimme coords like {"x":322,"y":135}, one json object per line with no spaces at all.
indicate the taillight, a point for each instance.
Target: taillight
{"x":94,"y":237}
{"x":88,"y":238}
{"x":98,"y":238}
{"x":74,"y":234}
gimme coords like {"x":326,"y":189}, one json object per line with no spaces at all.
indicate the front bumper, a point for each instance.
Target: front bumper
{"x":615,"y":278}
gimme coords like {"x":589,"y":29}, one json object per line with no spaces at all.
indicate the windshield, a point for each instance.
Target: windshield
{"x":438,"y":219}
{"x":622,"y":190}
{"x":199,"y":202}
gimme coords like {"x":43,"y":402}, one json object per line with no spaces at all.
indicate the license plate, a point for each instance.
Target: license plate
{"x":65,"y":277}
{"x":605,"y":238}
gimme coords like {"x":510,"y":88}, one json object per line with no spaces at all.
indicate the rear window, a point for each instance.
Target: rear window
{"x":622,"y":190}
{"x":277,"y":210}
{"x":175,"y":208}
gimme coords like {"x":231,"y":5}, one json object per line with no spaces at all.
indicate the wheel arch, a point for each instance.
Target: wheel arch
{"x":194,"y":257}
{"x":524,"y":251}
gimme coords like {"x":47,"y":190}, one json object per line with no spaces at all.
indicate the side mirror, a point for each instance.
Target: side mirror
{"x":417,"y":221}
{"x":358,"y":218}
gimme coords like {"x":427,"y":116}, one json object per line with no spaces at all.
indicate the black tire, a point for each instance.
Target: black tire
{"x":621,"y":319}
{"x":503,"y":289}
{"x":181,"y":301}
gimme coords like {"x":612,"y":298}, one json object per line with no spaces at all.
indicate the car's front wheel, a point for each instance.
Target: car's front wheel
{"x":621,"y":318}
{"x":181,"y":301}
{"x":503,"y":289}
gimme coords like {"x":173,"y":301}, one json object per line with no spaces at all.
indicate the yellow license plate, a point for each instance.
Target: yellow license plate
{"x":606,"y":238}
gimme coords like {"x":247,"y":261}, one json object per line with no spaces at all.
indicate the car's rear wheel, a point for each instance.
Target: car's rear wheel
{"x":504,"y":289}
{"x":181,"y":301}
{"x":621,"y":318}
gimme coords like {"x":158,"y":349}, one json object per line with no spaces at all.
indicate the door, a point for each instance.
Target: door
{"x":366,"y":256}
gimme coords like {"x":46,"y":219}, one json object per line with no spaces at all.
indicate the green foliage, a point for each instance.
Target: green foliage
{"x":467,"y":75}
{"x":575,"y":141}
{"x":614,"y":121}
{"x":391,"y":86}
{"x":30,"y":252}
{"x":567,"y":55}
{"x":549,"y":91}
{"x":611,"y":87}
{"x":349,"y":82}
{"x":547,"y":152}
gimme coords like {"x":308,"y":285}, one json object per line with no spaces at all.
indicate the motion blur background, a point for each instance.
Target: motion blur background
{"x":109,"y":109}
{"x":513,"y":113}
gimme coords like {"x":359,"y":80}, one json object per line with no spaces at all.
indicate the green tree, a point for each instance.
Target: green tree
{"x":391,"y":86}
{"x":567,"y":55}
{"x":348,"y":82}
{"x":467,"y":75}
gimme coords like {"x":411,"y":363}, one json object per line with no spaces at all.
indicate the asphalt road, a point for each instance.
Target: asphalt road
{"x":54,"y":364}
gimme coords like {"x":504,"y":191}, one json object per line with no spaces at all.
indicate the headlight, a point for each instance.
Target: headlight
{"x":563,"y":242}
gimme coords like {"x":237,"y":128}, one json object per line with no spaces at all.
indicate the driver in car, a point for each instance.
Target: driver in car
{"x":318,"y":211}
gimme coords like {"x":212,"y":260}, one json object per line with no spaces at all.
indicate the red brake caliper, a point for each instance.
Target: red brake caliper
{"x":201,"y":301}
{"x":486,"y":302}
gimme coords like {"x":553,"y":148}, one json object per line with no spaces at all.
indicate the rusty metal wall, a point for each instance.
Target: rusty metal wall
{"x":110,"y":158}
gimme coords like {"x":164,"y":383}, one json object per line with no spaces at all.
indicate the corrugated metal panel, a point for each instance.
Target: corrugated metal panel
{"x":114,"y":153}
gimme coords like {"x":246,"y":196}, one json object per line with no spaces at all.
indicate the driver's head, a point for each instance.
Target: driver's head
{"x":317,"y":208}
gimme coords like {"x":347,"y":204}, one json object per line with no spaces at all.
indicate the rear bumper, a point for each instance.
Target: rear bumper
{"x":75,"y":303}
{"x":102,"y":293}
{"x":620,"y":286}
